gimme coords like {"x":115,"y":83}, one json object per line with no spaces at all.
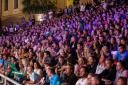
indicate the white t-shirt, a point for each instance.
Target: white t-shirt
{"x":38,"y":71}
{"x":82,"y":81}
{"x":100,"y":69}
{"x":34,"y":77}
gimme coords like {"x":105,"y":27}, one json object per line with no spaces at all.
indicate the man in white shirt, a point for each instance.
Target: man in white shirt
{"x":83,"y":74}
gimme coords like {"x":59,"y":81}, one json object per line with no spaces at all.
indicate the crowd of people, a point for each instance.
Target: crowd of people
{"x":89,"y":47}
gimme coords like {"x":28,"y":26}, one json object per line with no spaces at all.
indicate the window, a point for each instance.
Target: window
{"x":5,"y":5}
{"x":15,"y":4}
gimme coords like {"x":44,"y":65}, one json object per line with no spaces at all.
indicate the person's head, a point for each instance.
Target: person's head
{"x":9,"y":67}
{"x":30,"y":69}
{"x":101,"y":38}
{"x":85,"y":32}
{"x":121,"y":48}
{"x":109,"y":63}
{"x":121,"y":81}
{"x":5,"y":57}
{"x":91,"y":60}
{"x":123,"y":41}
{"x":1,"y":56}
{"x":83,"y":72}
{"x":95,"y":80}
{"x":61,"y":60}
{"x":89,"y":78}
{"x":36,"y":65}
{"x":104,"y":49}
{"x":13,"y":59}
{"x":73,"y":39}
{"x":113,"y":40}
{"x":66,"y":48}
{"x":120,"y":65}
{"x":50,"y":71}
{"x":61,"y":52}
{"x":88,"y":38}
{"x":50,"y":38}
{"x":81,"y":61}
{"x":69,"y":69}
{"x":47,"y":54}
{"x":118,"y":41}
{"x":116,"y":32}
{"x":21,"y":65}
{"x":105,"y":33}
{"x":39,"y":54}
{"x":55,"y":45}
{"x":102,"y":58}
{"x":126,"y":31}
{"x":31,"y":54}
{"x":31,"y":62}
{"x":79,"y":46}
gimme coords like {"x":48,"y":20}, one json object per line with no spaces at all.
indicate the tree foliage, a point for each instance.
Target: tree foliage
{"x":38,"y":6}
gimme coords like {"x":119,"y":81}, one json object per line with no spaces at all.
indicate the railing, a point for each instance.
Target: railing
{"x":5,"y":79}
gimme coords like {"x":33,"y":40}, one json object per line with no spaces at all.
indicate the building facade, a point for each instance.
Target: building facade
{"x":11,"y":10}
{"x":65,"y":3}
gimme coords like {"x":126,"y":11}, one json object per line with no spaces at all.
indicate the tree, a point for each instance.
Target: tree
{"x":76,"y":2}
{"x":38,"y":6}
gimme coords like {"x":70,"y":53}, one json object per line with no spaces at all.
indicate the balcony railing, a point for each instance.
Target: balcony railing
{"x":7,"y":81}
